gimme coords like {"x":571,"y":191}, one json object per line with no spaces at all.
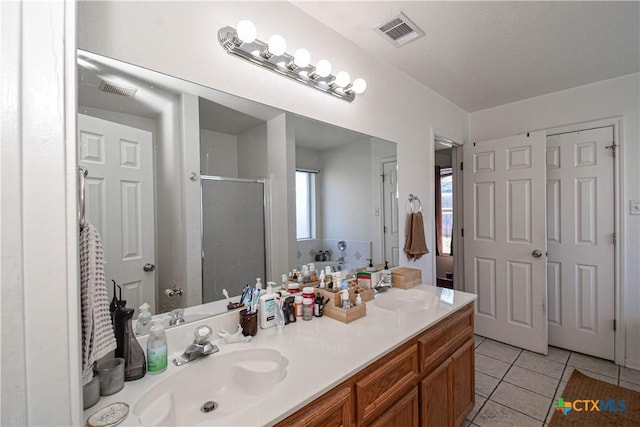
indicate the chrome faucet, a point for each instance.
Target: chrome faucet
{"x":176,"y":317}
{"x":199,"y":348}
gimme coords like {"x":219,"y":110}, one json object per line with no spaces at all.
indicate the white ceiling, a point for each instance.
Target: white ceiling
{"x":482,"y":54}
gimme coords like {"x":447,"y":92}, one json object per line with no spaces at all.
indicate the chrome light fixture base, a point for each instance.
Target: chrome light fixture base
{"x":228,"y":38}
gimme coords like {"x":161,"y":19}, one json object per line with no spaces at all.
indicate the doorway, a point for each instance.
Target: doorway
{"x":449,"y":272}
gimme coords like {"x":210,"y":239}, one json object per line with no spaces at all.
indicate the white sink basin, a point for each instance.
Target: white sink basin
{"x":408,"y":300}
{"x":231,"y":380}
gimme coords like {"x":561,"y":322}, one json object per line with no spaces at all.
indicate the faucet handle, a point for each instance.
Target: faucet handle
{"x":202,"y":334}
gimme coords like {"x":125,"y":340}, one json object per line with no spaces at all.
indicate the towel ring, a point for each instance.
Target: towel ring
{"x":414,"y":204}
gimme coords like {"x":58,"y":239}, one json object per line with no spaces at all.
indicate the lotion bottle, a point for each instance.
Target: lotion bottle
{"x":157,"y":349}
{"x":143,"y":324}
{"x":267,"y":308}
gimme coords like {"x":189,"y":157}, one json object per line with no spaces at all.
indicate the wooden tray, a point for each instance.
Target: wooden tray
{"x":346,"y":316}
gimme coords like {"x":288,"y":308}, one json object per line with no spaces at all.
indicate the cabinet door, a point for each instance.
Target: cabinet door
{"x":436,"y":409}
{"x":404,"y":413}
{"x":386,"y":384}
{"x":331,"y":410}
{"x":463,"y":381}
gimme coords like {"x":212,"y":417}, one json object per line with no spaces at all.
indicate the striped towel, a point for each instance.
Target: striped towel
{"x":98,"y":338}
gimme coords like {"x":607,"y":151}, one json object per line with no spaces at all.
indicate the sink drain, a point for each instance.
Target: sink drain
{"x":209,"y":406}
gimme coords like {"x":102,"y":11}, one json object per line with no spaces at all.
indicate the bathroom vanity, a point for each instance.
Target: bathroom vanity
{"x":408,"y":362}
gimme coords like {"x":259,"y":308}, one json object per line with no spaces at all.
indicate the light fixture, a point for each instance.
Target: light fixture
{"x":242,"y":42}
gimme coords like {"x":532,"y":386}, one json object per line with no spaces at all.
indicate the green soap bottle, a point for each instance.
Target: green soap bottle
{"x":157,"y":349}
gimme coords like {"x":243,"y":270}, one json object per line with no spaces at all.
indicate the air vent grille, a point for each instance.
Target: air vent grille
{"x":117,"y":89}
{"x":399,"y":30}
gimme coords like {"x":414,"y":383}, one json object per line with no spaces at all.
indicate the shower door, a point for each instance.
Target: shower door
{"x":233,"y":235}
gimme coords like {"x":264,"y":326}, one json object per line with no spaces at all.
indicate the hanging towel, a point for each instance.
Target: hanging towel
{"x":415,"y":244}
{"x":98,"y":338}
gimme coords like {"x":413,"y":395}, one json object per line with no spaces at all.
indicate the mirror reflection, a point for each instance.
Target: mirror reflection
{"x":195,"y":191}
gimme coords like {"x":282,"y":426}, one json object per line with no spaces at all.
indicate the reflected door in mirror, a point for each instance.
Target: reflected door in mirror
{"x":119,"y":202}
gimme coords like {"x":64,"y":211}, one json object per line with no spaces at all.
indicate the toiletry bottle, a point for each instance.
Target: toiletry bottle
{"x":267,"y":308}
{"x":157,"y":349}
{"x":344,"y":298}
{"x":143,"y":325}
{"x":298,"y":305}
{"x":258,"y":283}
{"x":370,"y":267}
{"x":317,"y":306}
{"x":358,"y":298}
{"x":279,"y":321}
{"x":135,"y":365}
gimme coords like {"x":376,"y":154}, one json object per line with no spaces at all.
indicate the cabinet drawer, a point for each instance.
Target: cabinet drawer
{"x":386,"y":384}
{"x":331,"y":410}
{"x":439,"y":342}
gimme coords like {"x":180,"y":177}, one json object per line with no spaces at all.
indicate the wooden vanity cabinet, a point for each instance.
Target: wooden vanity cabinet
{"x":428,"y":381}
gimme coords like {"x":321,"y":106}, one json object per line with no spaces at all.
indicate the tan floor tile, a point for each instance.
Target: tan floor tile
{"x":495,"y":415}
{"x":478,"y":340}
{"x":629,"y":375}
{"x":630,"y":386}
{"x":538,"y":364}
{"x":531,"y":380}
{"x":594,"y":364}
{"x":525,"y":401}
{"x":479,"y":402}
{"x":554,"y":354}
{"x":498,"y":350}
{"x":485,"y":384}
{"x":490,"y":366}
{"x":569,"y":371}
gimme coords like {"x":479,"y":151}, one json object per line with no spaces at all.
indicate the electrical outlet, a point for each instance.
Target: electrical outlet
{"x":634,"y":207}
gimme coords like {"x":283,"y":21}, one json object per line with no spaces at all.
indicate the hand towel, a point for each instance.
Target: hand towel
{"x":415,"y":242}
{"x":98,"y":338}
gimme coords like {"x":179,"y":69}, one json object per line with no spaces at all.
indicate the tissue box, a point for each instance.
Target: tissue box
{"x":405,"y":277}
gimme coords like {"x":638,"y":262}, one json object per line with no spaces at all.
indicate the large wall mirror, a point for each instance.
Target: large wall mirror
{"x":197,"y":191}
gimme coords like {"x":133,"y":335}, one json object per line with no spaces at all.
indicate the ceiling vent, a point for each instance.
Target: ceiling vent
{"x":399,"y":30}
{"x":117,"y":89}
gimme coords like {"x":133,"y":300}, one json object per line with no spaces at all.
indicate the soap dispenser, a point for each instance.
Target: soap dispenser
{"x":143,"y":325}
{"x":370,"y":267}
{"x":157,"y":349}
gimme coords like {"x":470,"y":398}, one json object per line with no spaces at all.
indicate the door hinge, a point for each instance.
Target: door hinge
{"x":382,"y":177}
{"x":614,"y":238}
{"x":462,"y":232}
{"x":461,"y":166}
{"x":613,"y":149}
{"x":614,"y":324}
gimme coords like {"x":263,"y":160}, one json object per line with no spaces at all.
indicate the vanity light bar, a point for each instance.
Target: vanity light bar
{"x":273,"y":57}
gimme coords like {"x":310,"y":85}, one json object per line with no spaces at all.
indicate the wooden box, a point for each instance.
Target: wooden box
{"x":345,"y":316}
{"x":405,"y":277}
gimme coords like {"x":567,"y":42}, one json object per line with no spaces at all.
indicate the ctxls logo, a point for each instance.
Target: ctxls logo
{"x":589,"y":405}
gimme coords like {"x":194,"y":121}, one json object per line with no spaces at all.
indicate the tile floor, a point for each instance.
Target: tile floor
{"x":515,"y":387}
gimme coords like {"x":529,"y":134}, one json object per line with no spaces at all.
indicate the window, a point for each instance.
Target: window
{"x":446,"y":206}
{"x":305,"y":204}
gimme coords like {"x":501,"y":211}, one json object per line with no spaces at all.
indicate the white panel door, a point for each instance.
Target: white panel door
{"x":390,"y":212}
{"x":120,"y":203}
{"x":504,"y":248}
{"x":580,"y":227}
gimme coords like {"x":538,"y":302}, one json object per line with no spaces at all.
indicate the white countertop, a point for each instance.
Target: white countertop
{"x":322,"y":353}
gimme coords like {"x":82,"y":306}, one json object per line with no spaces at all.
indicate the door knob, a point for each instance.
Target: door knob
{"x":149,"y":267}
{"x":537,"y":253}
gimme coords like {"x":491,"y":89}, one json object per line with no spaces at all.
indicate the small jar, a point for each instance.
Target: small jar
{"x":308,"y":292}
{"x":307,"y":309}
{"x":297,"y":302}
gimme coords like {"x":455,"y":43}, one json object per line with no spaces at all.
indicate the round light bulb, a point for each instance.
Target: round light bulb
{"x":302,"y":58}
{"x":277,"y":45}
{"x":246,"y":31}
{"x":359,"y":86}
{"x":342,"y":79}
{"x":323,"y":69}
